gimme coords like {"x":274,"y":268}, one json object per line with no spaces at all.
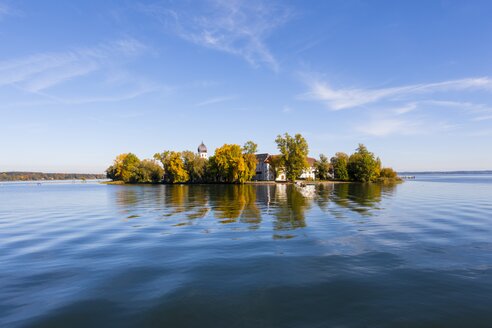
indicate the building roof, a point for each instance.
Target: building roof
{"x":311,"y":161}
{"x":202,"y":148}
{"x":270,"y":157}
{"x":261,"y":157}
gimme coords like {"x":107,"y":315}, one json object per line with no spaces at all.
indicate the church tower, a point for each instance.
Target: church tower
{"x":202,"y":151}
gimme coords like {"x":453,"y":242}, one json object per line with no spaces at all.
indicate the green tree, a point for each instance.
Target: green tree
{"x":294,"y":151}
{"x":363,"y":166}
{"x":195,"y":166}
{"x":174,"y":170}
{"x":150,"y":171}
{"x":212,"y":171}
{"x":250,"y":147}
{"x":111,"y":172}
{"x":388,"y":173}
{"x":275,"y":165}
{"x":388,"y":176}
{"x":322,"y":168}
{"x":339,"y":163}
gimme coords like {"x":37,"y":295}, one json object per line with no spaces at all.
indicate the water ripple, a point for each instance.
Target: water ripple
{"x":348,"y":255}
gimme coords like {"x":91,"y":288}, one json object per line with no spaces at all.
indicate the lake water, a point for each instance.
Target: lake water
{"x":417,"y":254}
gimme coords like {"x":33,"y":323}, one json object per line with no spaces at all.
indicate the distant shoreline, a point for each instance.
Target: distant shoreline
{"x":19,"y":176}
{"x":444,"y":172}
{"x":13,"y":176}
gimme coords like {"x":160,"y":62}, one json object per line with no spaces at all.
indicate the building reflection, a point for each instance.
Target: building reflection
{"x":291,"y":207}
{"x":285,"y":206}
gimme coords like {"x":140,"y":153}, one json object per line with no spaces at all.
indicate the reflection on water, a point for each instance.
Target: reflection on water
{"x":285,"y":204}
{"x":290,"y":208}
{"x":362,"y":198}
{"x":344,"y":255}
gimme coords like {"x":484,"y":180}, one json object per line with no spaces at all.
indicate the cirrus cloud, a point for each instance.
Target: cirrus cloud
{"x":346,"y":98}
{"x":41,"y":71}
{"x":236,"y":27}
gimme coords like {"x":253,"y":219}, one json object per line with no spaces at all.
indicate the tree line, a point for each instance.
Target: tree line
{"x":232,"y":163}
{"x":361,"y":166}
{"x":36,"y":176}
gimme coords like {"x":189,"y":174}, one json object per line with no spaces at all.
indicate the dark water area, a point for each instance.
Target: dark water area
{"x":418,"y":254}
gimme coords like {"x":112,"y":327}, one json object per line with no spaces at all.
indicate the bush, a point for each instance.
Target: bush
{"x":363,"y":166}
{"x":388,"y":173}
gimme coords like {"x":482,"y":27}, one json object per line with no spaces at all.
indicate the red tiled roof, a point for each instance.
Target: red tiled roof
{"x":311,"y":161}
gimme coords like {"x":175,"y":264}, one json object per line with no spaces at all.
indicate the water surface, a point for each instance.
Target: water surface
{"x":417,"y":254}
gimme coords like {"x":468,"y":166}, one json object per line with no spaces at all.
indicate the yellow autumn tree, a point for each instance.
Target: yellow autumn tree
{"x":125,"y":168}
{"x":174,"y":168}
{"x":232,"y":165}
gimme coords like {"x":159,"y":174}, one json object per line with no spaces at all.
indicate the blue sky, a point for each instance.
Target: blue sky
{"x":82,"y":81}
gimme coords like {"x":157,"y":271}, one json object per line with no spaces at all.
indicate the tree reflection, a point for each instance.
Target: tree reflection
{"x":361,"y":197}
{"x":189,"y":199}
{"x":324,"y":193}
{"x":138,"y":199}
{"x":251,"y":214}
{"x":235,"y":201}
{"x":291,"y":208}
{"x":287,"y":205}
{"x":197,"y":202}
{"x":177,"y":197}
{"x":126,"y":197}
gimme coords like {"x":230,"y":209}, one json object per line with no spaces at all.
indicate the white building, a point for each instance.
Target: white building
{"x":310,"y":172}
{"x":202,"y":151}
{"x":265,"y":172}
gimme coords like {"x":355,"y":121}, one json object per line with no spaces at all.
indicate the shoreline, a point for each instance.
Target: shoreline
{"x":307,"y":183}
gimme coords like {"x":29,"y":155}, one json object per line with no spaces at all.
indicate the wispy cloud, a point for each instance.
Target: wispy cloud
{"x":132,"y":92}
{"x":470,"y":107}
{"x":345,"y":98}
{"x":480,"y":133}
{"x":482,"y":118}
{"x":237,"y":27}
{"x":5,"y":10}
{"x":408,"y":109}
{"x":382,"y":127}
{"x":385,"y":127}
{"x":135,"y":91}
{"x":214,"y":100}
{"x":41,"y":71}
{"x":405,"y":108}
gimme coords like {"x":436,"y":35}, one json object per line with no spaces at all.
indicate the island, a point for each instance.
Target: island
{"x":232,"y":163}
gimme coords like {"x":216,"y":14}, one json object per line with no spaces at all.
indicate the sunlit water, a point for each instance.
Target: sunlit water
{"x":417,"y":254}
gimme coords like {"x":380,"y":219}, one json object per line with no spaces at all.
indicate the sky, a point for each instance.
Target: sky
{"x":83,"y":81}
